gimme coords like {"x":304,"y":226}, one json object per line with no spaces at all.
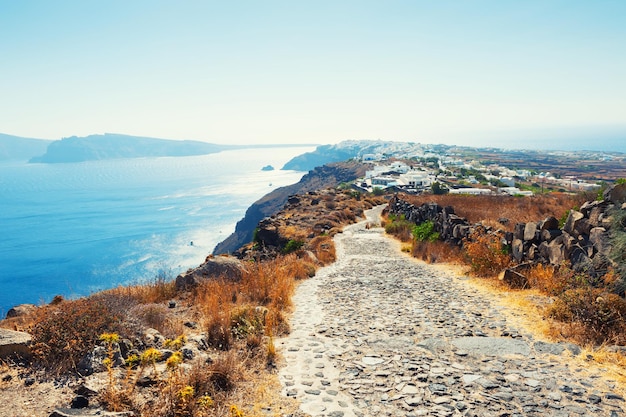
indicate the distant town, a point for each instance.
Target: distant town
{"x":415,"y":168}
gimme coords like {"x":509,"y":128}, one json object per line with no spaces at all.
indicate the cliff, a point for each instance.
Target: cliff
{"x":342,"y":151}
{"x":321,"y":177}
{"x":111,"y":146}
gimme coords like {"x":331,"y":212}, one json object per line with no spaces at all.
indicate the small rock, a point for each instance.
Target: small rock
{"x":80,"y":402}
{"x":613,"y":396}
{"x":595,"y":399}
{"x":413,"y":401}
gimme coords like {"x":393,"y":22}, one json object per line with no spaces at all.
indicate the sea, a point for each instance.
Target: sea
{"x":72,"y":229}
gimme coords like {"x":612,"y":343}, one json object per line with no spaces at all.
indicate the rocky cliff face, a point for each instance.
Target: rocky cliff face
{"x":322,"y":177}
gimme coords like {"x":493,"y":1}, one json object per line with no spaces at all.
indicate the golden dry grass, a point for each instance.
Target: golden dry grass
{"x":488,"y":209}
{"x":240,"y":319}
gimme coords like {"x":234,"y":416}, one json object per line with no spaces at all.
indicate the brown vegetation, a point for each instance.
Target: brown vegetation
{"x":586,"y":310}
{"x":491,"y":210}
{"x":237,"y":319}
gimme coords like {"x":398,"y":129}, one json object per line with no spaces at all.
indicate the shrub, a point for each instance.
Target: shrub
{"x":323,"y":248}
{"x":215,"y":299}
{"x":597,"y":316}
{"x":485,"y":253}
{"x":399,"y":227}
{"x":549,"y":279}
{"x":245,"y":321}
{"x":64,"y":333}
{"x":425,"y":231}
{"x":437,"y":251}
{"x":292,"y":246}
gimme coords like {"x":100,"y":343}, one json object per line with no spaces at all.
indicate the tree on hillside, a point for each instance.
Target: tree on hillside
{"x":438,"y":189}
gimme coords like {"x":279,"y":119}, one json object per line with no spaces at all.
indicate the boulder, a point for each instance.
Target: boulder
{"x":556,"y":251}
{"x":616,"y":194}
{"x":517,"y":249}
{"x":268,"y":234}
{"x":579,"y":259}
{"x":460,"y":231}
{"x":21,"y":310}
{"x":14,"y":344}
{"x":93,"y":361}
{"x":543,"y":250}
{"x":529,"y":231}
{"x":549,"y":223}
{"x":596,"y":215}
{"x":80,"y":401}
{"x":572,"y":219}
{"x":153,"y":337}
{"x":599,"y":238}
{"x":518,"y":231}
{"x":214,"y":267}
{"x":548,"y":235}
{"x":583,"y":226}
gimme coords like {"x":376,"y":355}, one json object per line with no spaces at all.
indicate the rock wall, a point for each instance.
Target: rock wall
{"x":583,"y":241}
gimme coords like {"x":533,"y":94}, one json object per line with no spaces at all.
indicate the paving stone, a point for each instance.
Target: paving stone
{"x":401,"y":338}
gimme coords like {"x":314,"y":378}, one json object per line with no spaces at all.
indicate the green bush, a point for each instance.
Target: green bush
{"x":425,"y":232}
{"x":292,"y":246}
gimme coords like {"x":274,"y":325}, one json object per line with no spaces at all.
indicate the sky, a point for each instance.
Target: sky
{"x":498,"y":71}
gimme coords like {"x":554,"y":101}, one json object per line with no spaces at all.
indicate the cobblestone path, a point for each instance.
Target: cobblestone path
{"x":378,"y":334}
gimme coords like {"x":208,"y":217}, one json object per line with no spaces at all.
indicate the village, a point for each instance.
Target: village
{"x":419,"y":168}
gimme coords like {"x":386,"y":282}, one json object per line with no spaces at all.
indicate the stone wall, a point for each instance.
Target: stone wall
{"x":582,"y":243}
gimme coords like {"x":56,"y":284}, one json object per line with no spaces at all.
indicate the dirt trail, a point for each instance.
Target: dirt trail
{"x":379,"y":334}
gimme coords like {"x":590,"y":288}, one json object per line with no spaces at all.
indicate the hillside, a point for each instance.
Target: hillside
{"x":343,"y":151}
{"x":203,"y":344}
{"x":15,"y":148}
{"x":111,"y":146}
{"x":321,"y":177}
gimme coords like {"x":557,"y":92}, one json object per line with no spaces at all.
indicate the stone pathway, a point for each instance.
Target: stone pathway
{"x":378,"y":334}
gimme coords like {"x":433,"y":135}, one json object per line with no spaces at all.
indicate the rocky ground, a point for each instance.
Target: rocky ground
{"x":379,"y":334}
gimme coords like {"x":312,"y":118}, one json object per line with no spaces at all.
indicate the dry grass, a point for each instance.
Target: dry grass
{"x":591,"y":315}
{"x":323,"y":248}
{"x":436,"y":252}
{"x":214,"y":299}
{"x":485,"y":254}
{"x":585,"y":309}
{"x":488,"y":209}
{"x":238,"y":318}
{"x":64,"y":333}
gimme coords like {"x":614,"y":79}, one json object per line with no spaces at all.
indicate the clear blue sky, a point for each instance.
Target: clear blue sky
{"x":310,"y":71}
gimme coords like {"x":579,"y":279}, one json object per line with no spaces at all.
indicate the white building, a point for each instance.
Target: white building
{"x":472,"y":191}
{"x":515,"y":191}
{"x":415,"y":179}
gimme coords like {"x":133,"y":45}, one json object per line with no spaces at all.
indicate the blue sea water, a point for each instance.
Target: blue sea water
{"x":73,"y":229}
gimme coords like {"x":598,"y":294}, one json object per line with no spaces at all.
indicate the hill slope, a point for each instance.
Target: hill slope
{"x":111,"y":145}
{"x":322,"y":177}
{"x":14,"y":148}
